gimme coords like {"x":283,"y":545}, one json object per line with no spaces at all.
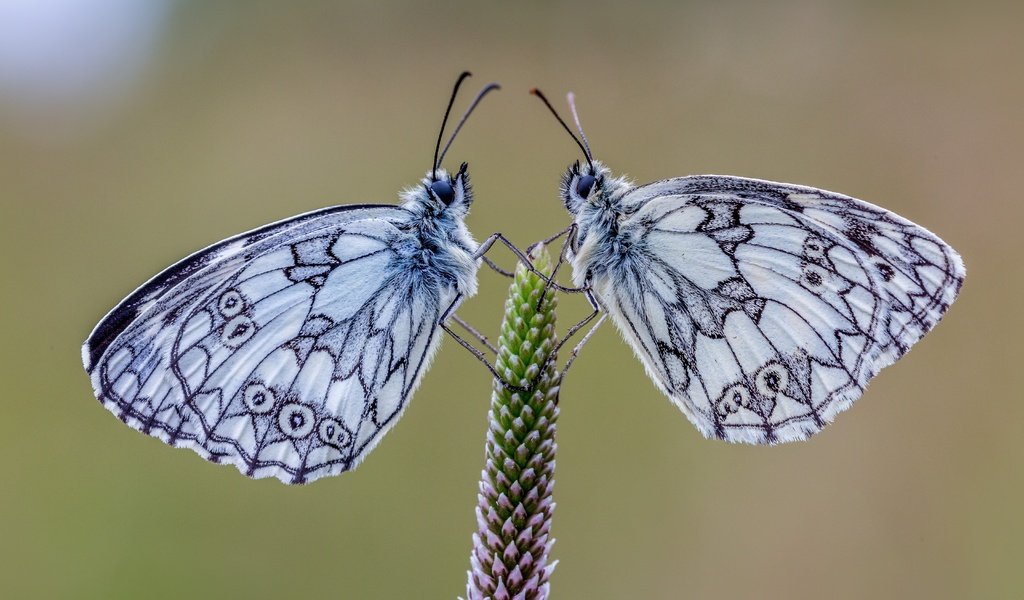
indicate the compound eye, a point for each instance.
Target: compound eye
{"x":584,"y":185}
{"x":443,"y":190}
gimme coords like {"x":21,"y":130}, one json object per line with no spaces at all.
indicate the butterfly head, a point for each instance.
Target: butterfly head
{"x":584,"y":184}
{"x":447,"y":192}
{"x":441,"y":194}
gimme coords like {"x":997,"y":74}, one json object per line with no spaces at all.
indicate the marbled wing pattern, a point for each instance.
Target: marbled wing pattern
{"x":288,"y":351}
{"x":763,"y":309}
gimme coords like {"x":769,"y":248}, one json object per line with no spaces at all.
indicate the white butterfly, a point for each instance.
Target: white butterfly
{"x":761,"y":309}
{"x":290,"y":350}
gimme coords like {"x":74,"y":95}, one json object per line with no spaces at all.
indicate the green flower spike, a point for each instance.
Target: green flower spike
{"x":509,"y":560}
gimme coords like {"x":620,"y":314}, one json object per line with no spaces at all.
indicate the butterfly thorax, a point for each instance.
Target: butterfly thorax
{"x":602,"y":244}
{"x":440,"y":248}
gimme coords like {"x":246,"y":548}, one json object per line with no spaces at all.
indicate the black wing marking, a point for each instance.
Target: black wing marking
{"x":288,"y":351}
{"x":763,"y":309}
{"x":143,"y":298}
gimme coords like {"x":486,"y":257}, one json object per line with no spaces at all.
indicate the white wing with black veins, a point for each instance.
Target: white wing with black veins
{"x":287,"y":351}
{"x":763,"y":309}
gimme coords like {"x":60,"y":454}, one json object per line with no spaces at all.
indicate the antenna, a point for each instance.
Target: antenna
{"x":447,"y":111}
{"x":480,"y":96}
{"x":585,"y":149}
{"x":571,"y":98}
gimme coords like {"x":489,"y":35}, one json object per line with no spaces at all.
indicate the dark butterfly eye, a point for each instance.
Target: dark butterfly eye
{"x":584,"y":185}
{"x":443,"y":190}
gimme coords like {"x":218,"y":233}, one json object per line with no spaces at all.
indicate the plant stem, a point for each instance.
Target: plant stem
{"x":509,"y":559}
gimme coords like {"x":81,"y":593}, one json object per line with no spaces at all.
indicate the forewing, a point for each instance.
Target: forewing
{"x":288,"y":351}
{"x":763,"y":309}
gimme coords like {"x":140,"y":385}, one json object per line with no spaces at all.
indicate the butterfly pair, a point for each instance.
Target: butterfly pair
{"x":761,"y":309}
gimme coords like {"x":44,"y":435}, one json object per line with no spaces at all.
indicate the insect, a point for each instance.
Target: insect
{"x":290,"y":350}
{"x":761,"y":309}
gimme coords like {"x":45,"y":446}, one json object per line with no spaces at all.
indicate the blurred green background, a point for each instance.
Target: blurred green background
{"x":133,"y":133}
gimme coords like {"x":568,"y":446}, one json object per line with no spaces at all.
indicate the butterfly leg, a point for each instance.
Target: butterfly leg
{"x":547,"y":242}
{"x":485,"y":247}
{"x":598,"y":308}
{"x":595,"y":304}
{"x":586,"y":338}
{"x":570,"y":237}
{"x":571,"y":230}
{"x":478,"y":354}
{"x":494,"y":267}
{"x":479,"y":336}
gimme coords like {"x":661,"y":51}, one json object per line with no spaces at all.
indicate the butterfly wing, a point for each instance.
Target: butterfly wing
{"x":763,"y":309}
{"x":287,"y":351}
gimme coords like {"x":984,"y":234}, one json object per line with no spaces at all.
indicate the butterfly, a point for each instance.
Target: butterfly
{"x":290,"y":350}
{"x":761,"y":309}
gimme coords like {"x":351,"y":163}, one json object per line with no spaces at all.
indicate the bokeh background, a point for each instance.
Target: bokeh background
{"x":132,"y":133}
